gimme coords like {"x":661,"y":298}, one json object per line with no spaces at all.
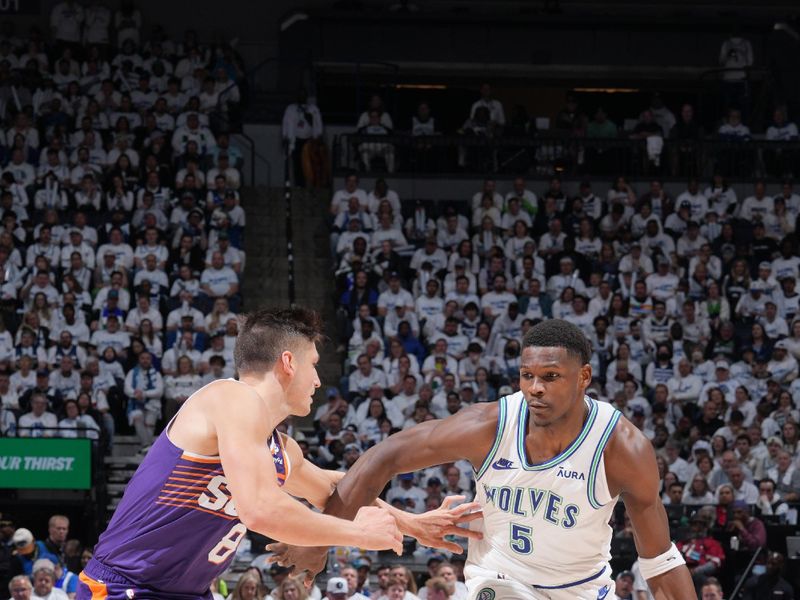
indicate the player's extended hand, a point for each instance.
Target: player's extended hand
{"x":431,"y":528}
{"x":299,"y":559}
{"x":379,"y":530}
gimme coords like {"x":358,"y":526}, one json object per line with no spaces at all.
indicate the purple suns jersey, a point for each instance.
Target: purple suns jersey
{"x":176,"y":528}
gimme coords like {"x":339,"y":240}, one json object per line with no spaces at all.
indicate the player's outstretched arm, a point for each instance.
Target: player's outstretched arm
{"x":261,"y":505}
{"x":631,"y":470}
{"x":306,"y":480}
{"x":468,"y":434}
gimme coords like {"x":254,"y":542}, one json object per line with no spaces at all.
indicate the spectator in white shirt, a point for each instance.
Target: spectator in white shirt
{"x":393,"y":296}
{"x":698,"y":201}
{"x":76,"y":425}
{"x":66,"y":19}
{"x":496,"y":113}
{"x":143,"y":311}
{"x":341,"y":198}
{"x":691,"y":241}
{"x":23,"y":172}
{"x":733,"y":129}
{"x":685,"y":387}
{"x":362,"y":379}
{"x":183,"y":347}
{"x":38,"y":422}
{"x":566,"y":277}
{"x":781,"y":130}
{"x":495,"y":302}
{"x":757,"y":206}
{"x":144,"y":388}
{"x":195,"y":132}
{"x":219,"y":281}
{"x":302,"y":121}
{"x":376,"y":105}
{"x":180,"y":385}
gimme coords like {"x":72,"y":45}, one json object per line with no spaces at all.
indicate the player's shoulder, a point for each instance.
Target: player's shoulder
{"x":227,"y":395}
{"x":627,"y":438}
{"x":479,"y":415}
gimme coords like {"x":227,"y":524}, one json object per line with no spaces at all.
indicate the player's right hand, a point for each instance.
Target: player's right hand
{"x":379,"y":530}
{"x":310,"y":561}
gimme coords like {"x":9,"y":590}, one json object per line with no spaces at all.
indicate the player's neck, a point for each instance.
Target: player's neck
{"x":272,"y":394}
{"x":552,"y":439}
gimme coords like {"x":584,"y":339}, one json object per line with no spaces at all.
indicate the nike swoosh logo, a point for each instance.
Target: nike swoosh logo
{"x":603,"y":593}
{"x":503,"y":465}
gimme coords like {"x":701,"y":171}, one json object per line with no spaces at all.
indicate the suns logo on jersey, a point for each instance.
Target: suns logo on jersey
{"x":217,"y":498}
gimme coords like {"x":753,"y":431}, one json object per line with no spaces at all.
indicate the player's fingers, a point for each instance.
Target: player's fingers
{"x":467,"y":507}
{"x":442,"y":544}
{"x":452,"y":547}
{"x":462,"y":532}
{"x":450,"y":500}
{"x":275,"y":547}
{"x":474,"y":516}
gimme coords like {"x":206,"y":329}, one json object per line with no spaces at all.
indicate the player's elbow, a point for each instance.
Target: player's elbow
{"x":255,"y":518}
{"x":250,"y":518}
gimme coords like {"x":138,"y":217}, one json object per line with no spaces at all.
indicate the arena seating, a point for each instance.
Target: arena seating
{"x":688,"y":299}
{"x":122,"y":239}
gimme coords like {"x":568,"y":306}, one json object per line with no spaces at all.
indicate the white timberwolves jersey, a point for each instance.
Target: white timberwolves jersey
{"x":544,"y":525}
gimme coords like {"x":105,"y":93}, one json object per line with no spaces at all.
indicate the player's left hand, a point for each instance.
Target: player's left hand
{"x":431,"y":528}
{"x":299,"y":559}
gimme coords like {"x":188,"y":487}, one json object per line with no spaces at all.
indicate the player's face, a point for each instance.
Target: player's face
{"x":305,"y":381}
{"x":553,"y":383}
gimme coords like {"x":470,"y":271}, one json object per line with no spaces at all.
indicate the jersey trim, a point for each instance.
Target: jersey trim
{"x":98,"y":590}
{"x":199,"y":458}
{"x":498,"y":437}
{"x":566,"y":585}
{"x":598,"y":456}
{"x":522,"y":428}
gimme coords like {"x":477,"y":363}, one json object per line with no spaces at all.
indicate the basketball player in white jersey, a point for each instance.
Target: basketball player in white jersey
{"x":550,"y":464}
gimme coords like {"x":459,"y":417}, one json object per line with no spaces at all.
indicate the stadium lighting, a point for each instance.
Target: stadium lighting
{"x":787,"y":29}
{"x":292,"y":19}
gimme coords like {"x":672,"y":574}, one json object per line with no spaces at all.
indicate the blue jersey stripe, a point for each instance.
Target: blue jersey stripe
{"x":598,"y":456}
{"x":573,"y":583}
{"x":498,"y":436}
{"x":570,"y":450}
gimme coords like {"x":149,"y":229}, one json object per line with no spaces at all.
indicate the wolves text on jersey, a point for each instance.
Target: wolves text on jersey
{"x":528,"y":502}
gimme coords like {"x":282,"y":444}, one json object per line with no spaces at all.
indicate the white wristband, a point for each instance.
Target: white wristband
{"x":653,"y":567}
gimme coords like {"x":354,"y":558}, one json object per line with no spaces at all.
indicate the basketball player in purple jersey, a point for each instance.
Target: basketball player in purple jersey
{"x":220,"y":468}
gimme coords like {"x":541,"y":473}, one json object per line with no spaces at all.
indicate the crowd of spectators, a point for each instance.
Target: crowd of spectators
{"x":121,"y":242}
{"x":120,"y":249}
{"x":689,"y":302}
{"x":579,"y":139}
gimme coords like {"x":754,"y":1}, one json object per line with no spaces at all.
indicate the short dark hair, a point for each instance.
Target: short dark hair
{"x":265,"y":334}
{"x":559,"y":334}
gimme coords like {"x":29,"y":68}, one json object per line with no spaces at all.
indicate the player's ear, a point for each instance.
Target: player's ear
{"x":586,"y":375}
{"x":287,"y":362}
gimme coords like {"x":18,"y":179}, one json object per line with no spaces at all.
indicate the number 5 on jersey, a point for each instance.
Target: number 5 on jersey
{"x":521,"y":538}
